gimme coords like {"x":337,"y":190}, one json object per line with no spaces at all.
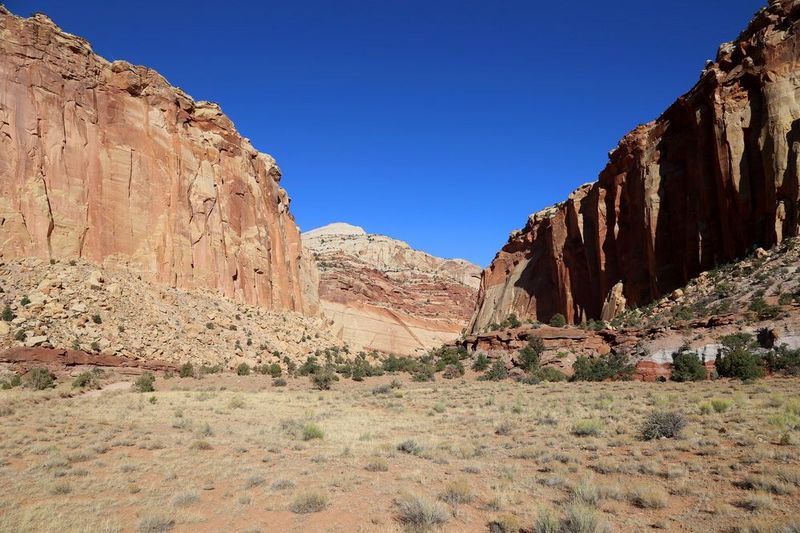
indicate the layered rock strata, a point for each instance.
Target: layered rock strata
{"x":383,"y":295}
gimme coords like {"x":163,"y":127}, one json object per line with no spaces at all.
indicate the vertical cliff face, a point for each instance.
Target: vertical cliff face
{"x":108,"y":162}
{"x":713,"y":177}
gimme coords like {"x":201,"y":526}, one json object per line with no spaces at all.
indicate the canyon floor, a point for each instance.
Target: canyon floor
{"x":236,"y":453}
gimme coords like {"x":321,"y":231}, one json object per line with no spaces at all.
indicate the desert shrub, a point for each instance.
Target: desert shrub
{"x":530,"y":354}
{"x":96,"y":319}
{"x":378,"y":464}
{"x":686,"y":366}
{"x":457,"y":492}
{"x":763,"y":310}
{"x":581,"y":518}
{"x":39,"y":379}
{"x":419,"y":514}
{"x":144,"y":383}
{"x":382,"y":389}
{"x":558,"y":321}
{"x":243,"y":369}
{"x":215,"y":369}
{"x":323,"y":379}
{"x":453,"y":371}
{"x":480,"y":363}
{"x":550,"y":374}
{"x":410,"y":446}
{"x":584,"y":428}
{"x":20,"y":335}
{"x":648,"y":497}
{"x":511,"y":321}
{"x":155,"y":524}
{"x":784,"y":360}
{"x":186,"y":371}
{"x":399,"y":364}
{"x":95,"y":346}
{"x":309,"y":502}
{"x":10,"y":383}
{"x":312,"y":431}
{"x":737,"y":358}
{"x":424,"y":372}
{"x":310,"y":366}
{"x":278,"y":382}
{"x":8,"y":314}
{"x":682,"y":312}
{"x":85,"y":380}
{"x":663,"y":424}
{"x":611,"y":366}
{"x":720,"y":405}
{"x":275,"y":370}
{"x":497,"y":372}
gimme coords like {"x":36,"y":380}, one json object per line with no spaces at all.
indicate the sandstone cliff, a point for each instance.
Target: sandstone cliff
{"x":382,"y":295}
{"x":106,"y":161}
{"x":715,"y":176}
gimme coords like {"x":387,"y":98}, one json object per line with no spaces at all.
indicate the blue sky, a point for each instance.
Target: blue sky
{"x":441,"y":123}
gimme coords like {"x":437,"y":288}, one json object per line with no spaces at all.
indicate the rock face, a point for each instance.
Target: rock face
{"x":106,"y":161}
{"x":382,"y":295}
{"x":714,"y":176}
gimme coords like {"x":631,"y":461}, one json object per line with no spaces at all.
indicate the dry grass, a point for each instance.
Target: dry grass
{"x":235,"y":453}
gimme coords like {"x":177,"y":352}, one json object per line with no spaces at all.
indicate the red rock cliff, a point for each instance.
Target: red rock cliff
{"x":714,"y":176}
{"x":108,"y":162}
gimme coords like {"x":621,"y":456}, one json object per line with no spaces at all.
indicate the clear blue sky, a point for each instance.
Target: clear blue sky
{"x":442,"y":123}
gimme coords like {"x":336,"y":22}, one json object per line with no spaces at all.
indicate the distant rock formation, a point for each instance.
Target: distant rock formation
{"x":715,"y":176}
{"x":382,"y":295}
{"x":106,"y":161}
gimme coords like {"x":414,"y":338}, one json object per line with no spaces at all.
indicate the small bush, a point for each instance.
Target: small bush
{"x":85,"y":380}
{"x":737,"y":359}
{"x":686,"y":366}
{"x":611,"y":366}
{"x":243,"y":369}
{"x":457,"y":492}
{"x":497,"y":372}
{"x":144,"y":383}
{"x":660,"y":425}
{"x":278,"y":382}
{"x":155,"y":524}
{"x":480,"y":363}
{"x":323,"y":379}
{"x":558,"y":321}
{"x":410,"y":446}
{"x":312,"y":431}
{"x":275,"y":370}
{"x":530,"y":354}
{"x":377,"y":464}
{"x":581,"y":518}
{"x":25,"y":301}
{"x":424,"y":373}
{"x":186,"y":371}
{"x":96,"y":319}
{"x":453,"y":372}
{"x":550,"y":374}
{"x":8,"y":314}
{"x":419,"y":514}
{"x":720,"y":405}
{"x":39,"y":379}
{"x":648,"y":497}
{"x":585,"y":428}
{"x":310,"y":502}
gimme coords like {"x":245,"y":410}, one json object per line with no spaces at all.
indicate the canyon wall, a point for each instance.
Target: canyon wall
{"x":107,"y":162}
{"x":715,"y":176}
{"x":383,"y":295}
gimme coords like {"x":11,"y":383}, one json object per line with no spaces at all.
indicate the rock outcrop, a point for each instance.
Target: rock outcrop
{"x":106,"y":161}
{"x":715,"y":176}
{"x":112,"y":313}
{"x":382,"y":295}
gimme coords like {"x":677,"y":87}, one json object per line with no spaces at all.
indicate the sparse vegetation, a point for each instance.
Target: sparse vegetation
{"x":39,"y":379}
{"x":663,"y":425}
{"x":145,"y":383}
{"x":558,"y":321}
